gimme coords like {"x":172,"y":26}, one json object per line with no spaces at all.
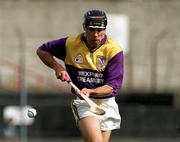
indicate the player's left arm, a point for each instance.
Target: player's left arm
{"x":101,"y":91}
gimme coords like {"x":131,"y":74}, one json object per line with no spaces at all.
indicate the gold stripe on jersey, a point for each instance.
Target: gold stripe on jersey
{"x":79,"y":55}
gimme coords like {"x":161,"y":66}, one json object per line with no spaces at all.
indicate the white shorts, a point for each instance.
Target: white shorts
{"x":109,"y":121}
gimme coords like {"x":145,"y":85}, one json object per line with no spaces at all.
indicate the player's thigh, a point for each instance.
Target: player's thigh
{"x":90,"y":129}
{"x":106,"y":135}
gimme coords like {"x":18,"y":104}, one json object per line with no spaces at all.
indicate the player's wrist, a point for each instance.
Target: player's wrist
{"x":92,"y":93}
{"x":57,"y":67}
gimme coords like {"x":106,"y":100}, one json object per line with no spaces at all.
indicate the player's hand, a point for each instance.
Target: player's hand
{"x":86,"y":91}
{"x":63,"y":75}
{"x":83,"y":91}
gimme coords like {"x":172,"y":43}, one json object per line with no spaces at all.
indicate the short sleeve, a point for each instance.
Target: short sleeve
{"x":56,"y":47}
{"x":114,"y":71}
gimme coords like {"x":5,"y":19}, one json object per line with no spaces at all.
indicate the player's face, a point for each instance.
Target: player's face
{"x":94,"y":36}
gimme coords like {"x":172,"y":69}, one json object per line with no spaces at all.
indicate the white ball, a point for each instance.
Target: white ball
{"x":32,"y":112}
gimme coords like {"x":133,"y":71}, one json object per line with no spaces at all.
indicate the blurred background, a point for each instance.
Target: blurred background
{"x":149,"y":101}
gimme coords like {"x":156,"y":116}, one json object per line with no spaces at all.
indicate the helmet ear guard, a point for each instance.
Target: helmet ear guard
{"x":95,"y":19}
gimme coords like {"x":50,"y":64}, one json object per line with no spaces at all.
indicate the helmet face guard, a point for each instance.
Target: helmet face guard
{"x":95,"y":19}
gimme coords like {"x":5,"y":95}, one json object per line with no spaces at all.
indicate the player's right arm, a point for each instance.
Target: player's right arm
{"x":46,"y":53}
{"x":49,"y":60}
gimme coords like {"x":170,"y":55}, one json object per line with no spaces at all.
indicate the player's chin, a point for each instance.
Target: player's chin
{"x":96,"y":43}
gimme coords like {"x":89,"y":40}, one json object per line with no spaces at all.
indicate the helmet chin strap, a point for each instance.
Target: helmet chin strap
{"x":84,"y":35}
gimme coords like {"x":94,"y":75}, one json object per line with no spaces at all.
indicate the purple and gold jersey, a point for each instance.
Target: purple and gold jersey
{"x":89,"y":69}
